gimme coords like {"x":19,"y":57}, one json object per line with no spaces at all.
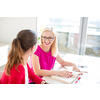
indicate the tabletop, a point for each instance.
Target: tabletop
{"x":92,"y":74}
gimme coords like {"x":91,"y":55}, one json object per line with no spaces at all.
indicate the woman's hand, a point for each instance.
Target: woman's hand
{"x":65,"y":73}
{"x":76,"y":69}
{"x":43,"y":82}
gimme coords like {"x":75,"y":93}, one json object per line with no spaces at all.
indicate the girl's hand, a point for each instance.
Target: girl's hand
{"x":76,"y":69}
{"x":43,"y":82}
{"x":65,"y":73}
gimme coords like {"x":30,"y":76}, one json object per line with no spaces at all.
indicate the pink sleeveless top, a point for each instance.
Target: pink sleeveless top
{"x":46,"y":60}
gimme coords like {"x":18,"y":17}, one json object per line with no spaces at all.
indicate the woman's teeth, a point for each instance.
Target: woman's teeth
{"x":47,"y":43}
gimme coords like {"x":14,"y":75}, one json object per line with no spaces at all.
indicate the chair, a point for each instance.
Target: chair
{"x":1,"y":75}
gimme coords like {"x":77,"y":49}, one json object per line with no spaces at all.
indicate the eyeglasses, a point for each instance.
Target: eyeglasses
{"x":49,"y":38}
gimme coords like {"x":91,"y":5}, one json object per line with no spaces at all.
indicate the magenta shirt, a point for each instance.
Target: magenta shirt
{"x":46,"y":60}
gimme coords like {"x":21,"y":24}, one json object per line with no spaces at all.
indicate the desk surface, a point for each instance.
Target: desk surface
{"x":83,"y":80}
{"x":92,"y":77}
{"x":3,"y":53}
{"x":3,"y":44}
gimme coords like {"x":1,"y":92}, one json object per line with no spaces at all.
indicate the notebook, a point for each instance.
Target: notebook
{"x":67,"y":80}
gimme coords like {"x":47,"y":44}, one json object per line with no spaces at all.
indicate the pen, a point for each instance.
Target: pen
{"x":77,"y":79}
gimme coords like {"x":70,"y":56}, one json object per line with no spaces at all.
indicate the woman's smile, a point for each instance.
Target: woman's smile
{"x":47,"y":43}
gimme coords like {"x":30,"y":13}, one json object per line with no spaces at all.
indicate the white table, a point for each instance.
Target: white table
{"x":3,"y":53}
{"x":93,"y":63}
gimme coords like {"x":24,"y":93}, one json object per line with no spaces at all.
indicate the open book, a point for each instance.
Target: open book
{"x":70,"y":80}
{"x":67,"y":80}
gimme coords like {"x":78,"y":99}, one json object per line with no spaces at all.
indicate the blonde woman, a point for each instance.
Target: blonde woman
{"x":44,"y":58}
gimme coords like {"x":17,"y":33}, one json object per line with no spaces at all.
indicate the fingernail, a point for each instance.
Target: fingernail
{"x":76,"y":82}
{"x":79,"y":78}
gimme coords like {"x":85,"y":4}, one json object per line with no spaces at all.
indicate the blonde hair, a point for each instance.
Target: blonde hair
{"x":54,"y":45}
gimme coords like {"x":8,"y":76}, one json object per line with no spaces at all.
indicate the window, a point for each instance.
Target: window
{"x":79,"y":35}
{"x":93,"y":37}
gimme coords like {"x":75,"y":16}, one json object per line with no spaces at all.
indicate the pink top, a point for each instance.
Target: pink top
{"x":46,"y":60}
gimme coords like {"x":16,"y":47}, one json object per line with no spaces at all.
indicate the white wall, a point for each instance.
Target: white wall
{"x":10,"y":26}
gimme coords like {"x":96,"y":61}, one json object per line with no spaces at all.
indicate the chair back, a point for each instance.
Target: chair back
{"x":1,"y":75}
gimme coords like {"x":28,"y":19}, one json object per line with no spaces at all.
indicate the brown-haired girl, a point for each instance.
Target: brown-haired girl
{"x":17,"y":70}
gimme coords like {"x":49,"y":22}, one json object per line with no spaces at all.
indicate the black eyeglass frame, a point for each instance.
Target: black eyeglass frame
{"x":52,"y":38}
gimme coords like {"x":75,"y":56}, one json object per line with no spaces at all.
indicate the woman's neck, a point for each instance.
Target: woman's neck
{"x":25,"y":57}
{"x":46,"y":49}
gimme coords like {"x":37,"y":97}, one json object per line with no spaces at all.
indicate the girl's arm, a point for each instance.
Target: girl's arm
{"x":37,"y":70}
{"x":34,"y":77}
{"x":63,"y":62}
{"x":41,"y":72}
{"x":66,"y":63}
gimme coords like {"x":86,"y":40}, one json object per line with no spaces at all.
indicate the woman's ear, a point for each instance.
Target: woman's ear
{"x":55,"y":38}
{"x":32,"y":48}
